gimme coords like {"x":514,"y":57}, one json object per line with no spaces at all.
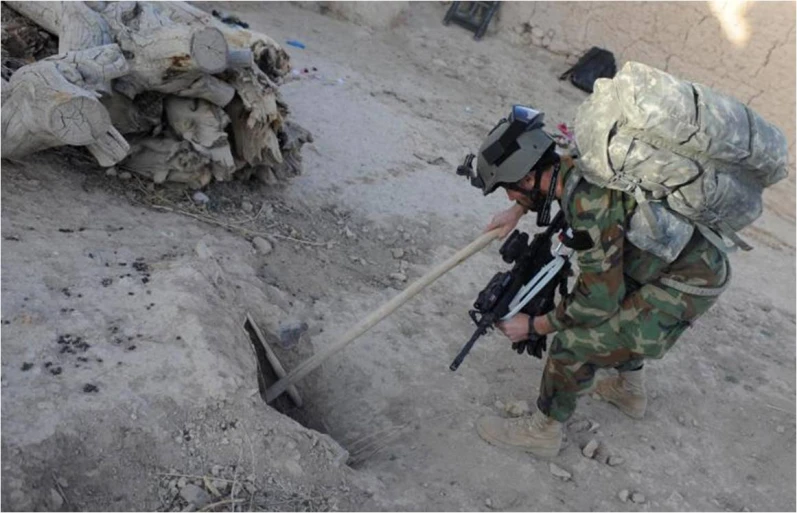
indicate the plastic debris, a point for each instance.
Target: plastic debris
{"x":294,"y":42}
{"x":201,"y":198}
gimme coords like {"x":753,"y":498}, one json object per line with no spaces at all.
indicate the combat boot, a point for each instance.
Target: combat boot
{"x":539,"y":435}
{"x":626,"y":391}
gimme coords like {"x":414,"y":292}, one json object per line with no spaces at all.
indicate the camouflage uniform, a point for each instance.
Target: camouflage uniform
{"x":619,"y":313}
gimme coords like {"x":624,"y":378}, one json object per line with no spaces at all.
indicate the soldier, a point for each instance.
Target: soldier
{"x":627,"y":305}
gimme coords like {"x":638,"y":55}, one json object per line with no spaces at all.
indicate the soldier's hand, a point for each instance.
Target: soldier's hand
{"x":506,"y":220}
{"x":516,"y":328}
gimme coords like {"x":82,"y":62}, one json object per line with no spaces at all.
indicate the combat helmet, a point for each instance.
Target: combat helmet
{"x":511,"y":149}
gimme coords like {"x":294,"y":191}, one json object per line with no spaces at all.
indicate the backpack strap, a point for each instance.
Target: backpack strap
{"x":715,"y":238}
{"x":698,"y":291}
{"x":569,"y":187}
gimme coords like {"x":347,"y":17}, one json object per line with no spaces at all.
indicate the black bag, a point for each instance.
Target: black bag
{"x":596,"y":63}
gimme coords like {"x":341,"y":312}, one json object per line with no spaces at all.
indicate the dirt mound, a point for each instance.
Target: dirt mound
{"x":126,"y":365}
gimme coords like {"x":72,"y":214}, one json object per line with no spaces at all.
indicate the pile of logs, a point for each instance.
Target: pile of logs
{"x":161,"y":89}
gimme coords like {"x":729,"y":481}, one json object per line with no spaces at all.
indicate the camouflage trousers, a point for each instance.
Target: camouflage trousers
{"x":650,"y":320}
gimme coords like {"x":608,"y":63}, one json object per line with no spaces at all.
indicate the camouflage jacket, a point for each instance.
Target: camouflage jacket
{"x":613,"y":266}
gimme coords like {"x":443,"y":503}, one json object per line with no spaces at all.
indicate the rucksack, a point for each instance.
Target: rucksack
{"x":594,"y":64}
{"x":692,"y":157}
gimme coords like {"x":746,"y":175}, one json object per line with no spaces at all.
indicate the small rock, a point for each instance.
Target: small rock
{"x":200,"y":198}
{"x":195,"y":495}
{"x":181,"y":482}
{"x":653,"y":394}
{"x":499,"y":405}
{"x":591,"y":448}
{"x":225,"y":441}
{"x":780,"y":429}
{"x":350,"y":234}
{"x":603,"y":454}
{"x":202,"y":250}
{"x":439,"y":63}
{"x":262,"y":245}
{"x":399,"y":277}
{"x":133,"y":416}
{"x":62,"y":482}
{"x":247,"y":206}
{"x":56,"y":501}
{"x":488,"y":502}
{"x":517,"y":408}
{"x":221,"y":485}
{"x":624,"y":495}
{"x":397,"y":253}
{"x":559,"y":472}
{"x":216,"y":470}
{"x":291,"y":333}
{"x":111,"y":171}
{"x":675,"y":498}
{"x":125,"y":175}
{"x":593,"y":426}
{"x":614,"y":461}
{"x":681,"y":420}
{"x":579,"y":425}
{"x":637,"y":498}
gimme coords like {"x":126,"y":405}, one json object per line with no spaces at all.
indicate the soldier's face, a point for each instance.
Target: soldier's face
{"x":520,"y":190}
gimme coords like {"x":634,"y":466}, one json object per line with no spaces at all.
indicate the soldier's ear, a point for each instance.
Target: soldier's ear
{"x":527,"y":182}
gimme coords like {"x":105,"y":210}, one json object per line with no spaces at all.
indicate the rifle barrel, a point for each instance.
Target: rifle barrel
{"x":480,"y":330}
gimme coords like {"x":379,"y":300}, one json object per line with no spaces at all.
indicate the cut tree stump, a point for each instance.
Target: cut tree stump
{"x":52,"y":103}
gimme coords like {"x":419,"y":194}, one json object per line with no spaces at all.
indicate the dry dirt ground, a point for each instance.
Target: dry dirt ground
{"x":129,"y":383}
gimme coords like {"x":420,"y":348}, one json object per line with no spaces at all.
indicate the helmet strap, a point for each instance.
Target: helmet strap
{"x":544,"y":212}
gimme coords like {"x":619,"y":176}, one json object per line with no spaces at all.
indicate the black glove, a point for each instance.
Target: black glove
{"x":533,"y":346}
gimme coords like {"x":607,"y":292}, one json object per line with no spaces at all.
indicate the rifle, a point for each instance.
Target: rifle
{"x":528,"y":287}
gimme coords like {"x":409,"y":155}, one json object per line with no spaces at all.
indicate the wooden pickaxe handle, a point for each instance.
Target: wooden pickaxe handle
{"x":380,"y":313}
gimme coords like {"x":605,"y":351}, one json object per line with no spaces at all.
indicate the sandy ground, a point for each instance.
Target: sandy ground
{"x":158,"y":299}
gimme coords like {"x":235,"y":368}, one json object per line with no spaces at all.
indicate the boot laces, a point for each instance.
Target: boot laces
{"x":630,"y":386}
{"x":537,"y":422}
